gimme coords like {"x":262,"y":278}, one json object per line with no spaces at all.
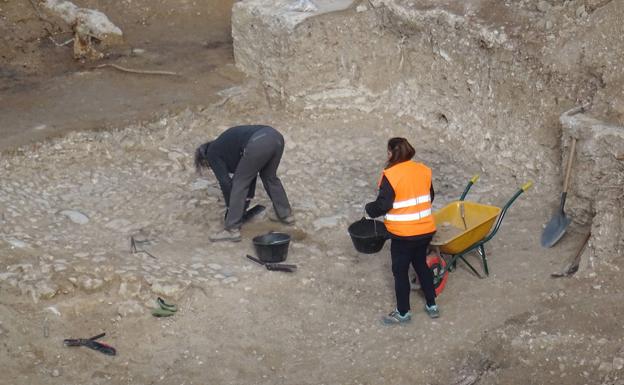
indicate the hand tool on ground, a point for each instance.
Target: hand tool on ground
{"x":252,"y":212}
{"x":555,"y":229}
{"x":134,"y":249}
{"x":274,"y":266}
{"x":574,"y":264}
{"x":91,"y":343}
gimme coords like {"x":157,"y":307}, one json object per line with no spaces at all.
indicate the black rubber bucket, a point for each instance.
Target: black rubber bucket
{"x":272,"y":247}
{"x":368,"y":235}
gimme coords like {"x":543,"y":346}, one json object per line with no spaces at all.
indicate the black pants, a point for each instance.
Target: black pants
{"x":406,"y":252}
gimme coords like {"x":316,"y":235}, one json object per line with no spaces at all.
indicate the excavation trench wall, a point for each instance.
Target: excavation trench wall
{"x":484,"y":82}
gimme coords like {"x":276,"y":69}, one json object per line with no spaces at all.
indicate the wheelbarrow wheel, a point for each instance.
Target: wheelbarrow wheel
{"x":437,"y":264}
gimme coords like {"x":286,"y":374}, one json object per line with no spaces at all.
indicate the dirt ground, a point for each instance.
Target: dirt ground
{"x":238,"y":323}
{"x":44,"y":92}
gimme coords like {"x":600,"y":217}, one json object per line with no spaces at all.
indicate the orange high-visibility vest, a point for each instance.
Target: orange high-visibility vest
{"x":411,"y":210}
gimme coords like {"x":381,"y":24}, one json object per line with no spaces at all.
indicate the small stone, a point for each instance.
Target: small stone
{"x":56,"y":373}
{"x":75,"y":216}
{"x":6,"y":276}
{"x":172,"y":290}
{"x":618,"y":363}
{"x":214,"y":266}
{"x":326,"y":222}
{"x":128,"y":308}
{"x":605,"y":367}
{"x":230,"y":280}
{"x":89,"y":284}
{"x":200,"y":184}
{"x":46,"y":289}
{"x":361,"y":8}
{"x":581,"y":12}
{"x":128,"y":289}
{"x":543,"y":6}
{"x":16,"y":243}
{"x":118,"y":224}
{"x":53,"y":310}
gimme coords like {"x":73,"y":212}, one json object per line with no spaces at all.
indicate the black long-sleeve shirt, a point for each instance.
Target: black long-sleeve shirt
{"x":385,"y":200}
{"x":224,"y":154}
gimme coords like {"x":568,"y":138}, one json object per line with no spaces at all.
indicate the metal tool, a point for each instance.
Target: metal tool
{"x":573,"y":266}
{"x":252,"y":212}
{"x":91,"y":343}
{"x":134,"y":249}
{"x":555,"y":229}
{"x":274,"y":266}
{"x":462,"y":212}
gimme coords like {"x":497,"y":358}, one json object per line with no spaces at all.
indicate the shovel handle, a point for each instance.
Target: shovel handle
{"x":569,"y":166}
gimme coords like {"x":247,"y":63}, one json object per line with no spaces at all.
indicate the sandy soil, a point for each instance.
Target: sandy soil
{"x":44,"y":92}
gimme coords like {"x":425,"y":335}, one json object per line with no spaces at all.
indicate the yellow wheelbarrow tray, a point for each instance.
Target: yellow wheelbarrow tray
{"x":464,"y":226}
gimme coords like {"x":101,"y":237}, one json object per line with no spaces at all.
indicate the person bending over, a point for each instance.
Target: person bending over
{"x":237,"y":157}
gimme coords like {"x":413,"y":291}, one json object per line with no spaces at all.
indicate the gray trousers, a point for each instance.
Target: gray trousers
{"x":262,"y":156}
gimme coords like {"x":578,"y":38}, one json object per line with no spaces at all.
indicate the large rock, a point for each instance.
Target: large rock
{"x":94,"y":22}
{"x":475,"y":79}
{"x":596,"y":192}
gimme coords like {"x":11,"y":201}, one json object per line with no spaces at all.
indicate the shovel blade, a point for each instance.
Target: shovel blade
{"x":555,"y":229}
{"x":252,"y":212}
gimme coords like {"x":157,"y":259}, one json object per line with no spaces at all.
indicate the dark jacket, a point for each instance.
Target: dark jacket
{"x":226,"y":151}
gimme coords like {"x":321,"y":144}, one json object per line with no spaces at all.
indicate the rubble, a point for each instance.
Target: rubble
{"x":90,"y":27}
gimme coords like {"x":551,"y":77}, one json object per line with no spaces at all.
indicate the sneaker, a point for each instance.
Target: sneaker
{"x":288,"y":220}
{"x":233,"y":235}
{"x":396,"y":318}
{"x":432,"y":311}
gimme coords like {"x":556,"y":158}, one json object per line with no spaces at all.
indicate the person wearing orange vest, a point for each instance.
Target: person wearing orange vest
{"x":404,"y":199}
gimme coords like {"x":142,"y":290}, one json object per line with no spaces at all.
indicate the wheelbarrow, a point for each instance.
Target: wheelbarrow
{"x":462,"y":227}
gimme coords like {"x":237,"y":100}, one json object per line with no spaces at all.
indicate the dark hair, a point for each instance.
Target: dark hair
{"x":400,"y":151}
{"x":201,"y":157}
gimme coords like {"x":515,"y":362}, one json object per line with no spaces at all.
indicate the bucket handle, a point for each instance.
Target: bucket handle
{"x":364,"y":218}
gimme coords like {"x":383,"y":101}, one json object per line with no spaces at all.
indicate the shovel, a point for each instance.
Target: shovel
{"x":557,"y":226}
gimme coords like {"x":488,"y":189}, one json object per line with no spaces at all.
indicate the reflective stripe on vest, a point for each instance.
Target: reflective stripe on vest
{"x":411,"y":212}
{"x":408,"y":217}
{"x":412,"y":202}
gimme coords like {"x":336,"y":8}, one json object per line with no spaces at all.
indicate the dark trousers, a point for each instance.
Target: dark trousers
{"x":262,"y":156}
{"x":414,"y":252}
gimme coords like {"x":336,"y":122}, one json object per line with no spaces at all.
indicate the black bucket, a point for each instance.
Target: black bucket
{"x":368,"y":235}
{"x":272,"y":247}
